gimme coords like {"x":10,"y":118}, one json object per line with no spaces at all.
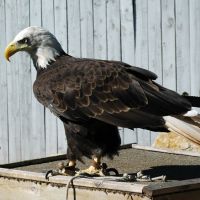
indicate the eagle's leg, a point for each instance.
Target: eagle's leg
{"x":67,"y":170}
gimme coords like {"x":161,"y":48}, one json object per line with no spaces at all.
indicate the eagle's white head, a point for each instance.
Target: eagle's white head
{"x":42,"y":46}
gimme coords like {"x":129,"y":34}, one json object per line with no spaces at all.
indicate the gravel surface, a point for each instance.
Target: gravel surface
{"x":175,"y":167}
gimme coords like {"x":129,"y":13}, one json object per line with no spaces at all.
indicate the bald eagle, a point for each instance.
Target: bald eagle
{"x":94,"y":97}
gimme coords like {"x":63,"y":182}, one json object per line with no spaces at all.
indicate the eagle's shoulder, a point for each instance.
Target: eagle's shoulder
{"x":137,"y":71}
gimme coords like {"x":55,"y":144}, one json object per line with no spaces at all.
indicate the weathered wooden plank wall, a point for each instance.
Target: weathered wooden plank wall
{"x":37,"y":134}
{"x":160,"y":35}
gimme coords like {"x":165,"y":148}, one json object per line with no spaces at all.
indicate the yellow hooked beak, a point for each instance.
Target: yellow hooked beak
{"x":12,"y":48}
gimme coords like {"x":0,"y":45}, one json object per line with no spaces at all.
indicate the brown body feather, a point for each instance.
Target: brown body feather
{"x":107,"y":94}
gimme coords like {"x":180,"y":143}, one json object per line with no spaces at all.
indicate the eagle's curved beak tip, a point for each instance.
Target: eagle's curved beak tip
{"x":8,"y":59}
{"x":9,"y":51}
{"x":7,"y":54}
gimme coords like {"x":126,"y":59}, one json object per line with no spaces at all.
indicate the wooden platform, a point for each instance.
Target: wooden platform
{"x":183,"y":179}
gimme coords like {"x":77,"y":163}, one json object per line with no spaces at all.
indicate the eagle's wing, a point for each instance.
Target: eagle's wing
{"x":95,"y":86}
{"x":113,"y":92}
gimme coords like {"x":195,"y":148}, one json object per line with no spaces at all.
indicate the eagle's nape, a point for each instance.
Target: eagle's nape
{"x":94,"y":97}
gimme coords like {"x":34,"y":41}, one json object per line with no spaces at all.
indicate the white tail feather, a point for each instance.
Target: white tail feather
{"x":183,"y":128}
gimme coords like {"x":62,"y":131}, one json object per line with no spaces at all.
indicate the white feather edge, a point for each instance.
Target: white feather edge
{"x":191,"y":113}
{"x":182,"y":128}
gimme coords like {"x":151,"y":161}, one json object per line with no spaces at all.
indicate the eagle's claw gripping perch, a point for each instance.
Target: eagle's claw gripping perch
{"x":63,"y":169}
{"x":102,"y":170}
{"x":109,"y":171}
{"x":51,"y":173}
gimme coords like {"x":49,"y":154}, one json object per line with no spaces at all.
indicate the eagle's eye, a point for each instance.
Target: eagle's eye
{"x":24,"y":41}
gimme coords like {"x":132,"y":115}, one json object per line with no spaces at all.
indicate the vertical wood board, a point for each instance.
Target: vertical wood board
{"x":37,"y":110}
{"x":13,"y":85}
{"x":4,"y":142}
